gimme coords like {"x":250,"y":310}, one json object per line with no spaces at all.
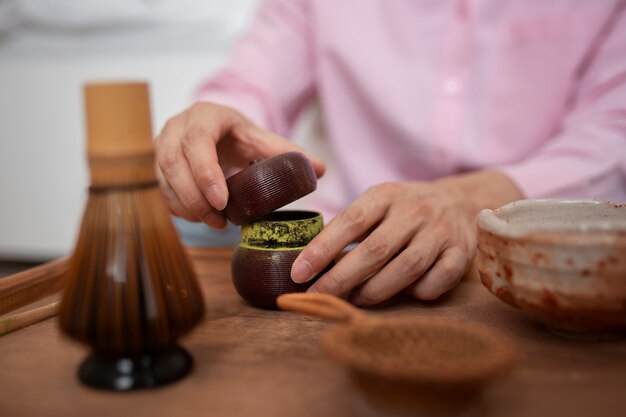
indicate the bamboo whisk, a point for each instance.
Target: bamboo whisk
{"x":130,"y":291}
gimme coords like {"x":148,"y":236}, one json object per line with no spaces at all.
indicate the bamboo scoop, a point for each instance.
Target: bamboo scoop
{"x":409,"y":364}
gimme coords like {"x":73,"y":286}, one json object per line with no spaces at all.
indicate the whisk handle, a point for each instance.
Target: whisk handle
{"x":320,"y":305}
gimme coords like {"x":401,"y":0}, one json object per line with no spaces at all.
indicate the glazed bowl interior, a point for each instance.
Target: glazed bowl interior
{"x":558,"y":216}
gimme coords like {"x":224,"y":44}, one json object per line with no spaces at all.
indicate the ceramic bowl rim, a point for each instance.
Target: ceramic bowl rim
{"x":603,"y":231}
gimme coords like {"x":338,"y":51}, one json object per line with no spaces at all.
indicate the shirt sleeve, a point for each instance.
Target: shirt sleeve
{"x":269,"y":76}
{"x":587,"y":156}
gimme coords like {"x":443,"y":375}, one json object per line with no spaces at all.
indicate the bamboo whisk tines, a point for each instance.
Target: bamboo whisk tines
{"x":131,"y":292}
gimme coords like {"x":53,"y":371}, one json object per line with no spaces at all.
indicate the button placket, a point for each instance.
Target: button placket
{"x":452,"y":86}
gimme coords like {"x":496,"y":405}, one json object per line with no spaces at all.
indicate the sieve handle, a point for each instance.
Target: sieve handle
{"x":320,"y":305}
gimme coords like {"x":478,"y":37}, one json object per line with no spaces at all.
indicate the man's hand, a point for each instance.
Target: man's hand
{"x":197,"y":146}
{"x":416,"y":236}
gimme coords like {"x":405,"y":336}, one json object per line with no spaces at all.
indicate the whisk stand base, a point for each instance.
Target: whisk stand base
{"x":126,"y":373}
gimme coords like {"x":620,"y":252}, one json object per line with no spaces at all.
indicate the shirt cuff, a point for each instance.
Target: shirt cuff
{"x":548,"y":178}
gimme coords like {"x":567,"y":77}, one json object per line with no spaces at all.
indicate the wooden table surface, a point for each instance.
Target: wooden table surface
{"x":251,"y":362}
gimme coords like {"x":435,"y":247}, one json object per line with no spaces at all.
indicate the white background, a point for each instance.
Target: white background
{"x":48,"y":49}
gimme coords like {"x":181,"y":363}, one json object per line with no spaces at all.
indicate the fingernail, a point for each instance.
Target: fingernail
{"x":301,"y":271}
{"x":216,"y":197}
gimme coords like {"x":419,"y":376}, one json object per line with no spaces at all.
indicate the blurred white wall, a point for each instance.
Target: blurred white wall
{"x":48,"y":49}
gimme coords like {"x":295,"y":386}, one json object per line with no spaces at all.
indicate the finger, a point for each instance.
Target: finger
{"x":368,"y":257}
{"x":401,"y":272}
{"x":177,"y":173}
{"x":171,"y":129}
{"x":216,"y":220}
{"x":352,"y":222}
{"x":443,"y":275}
{"x":195,"y":203}
{"x":199,"y":148}
{"x":174,"y":204}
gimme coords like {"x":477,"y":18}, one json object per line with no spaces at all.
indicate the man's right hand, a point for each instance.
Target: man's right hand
{"x":197,"y":146}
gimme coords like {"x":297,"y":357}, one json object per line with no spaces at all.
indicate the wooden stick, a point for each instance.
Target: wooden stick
{"x":28,"y":286}
{"x":18,"y":321}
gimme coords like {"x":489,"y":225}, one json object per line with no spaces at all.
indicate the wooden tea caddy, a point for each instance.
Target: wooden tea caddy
{"x":270,"y":240}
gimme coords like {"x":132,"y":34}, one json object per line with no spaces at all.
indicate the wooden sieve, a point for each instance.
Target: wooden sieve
{"x":408,"y":364}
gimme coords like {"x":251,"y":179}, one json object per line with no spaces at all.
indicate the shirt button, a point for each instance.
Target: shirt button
{"x":452,"y":86}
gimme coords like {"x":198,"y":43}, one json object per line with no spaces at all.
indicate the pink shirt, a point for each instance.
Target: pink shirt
{"x":416,"y":90}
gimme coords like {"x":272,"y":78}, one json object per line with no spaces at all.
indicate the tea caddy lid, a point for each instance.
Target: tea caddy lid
{"x":267,"y":185}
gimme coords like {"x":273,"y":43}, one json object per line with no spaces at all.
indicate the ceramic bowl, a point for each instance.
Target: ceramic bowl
{"x":261,"y":263}
{"x":561,"y":261}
